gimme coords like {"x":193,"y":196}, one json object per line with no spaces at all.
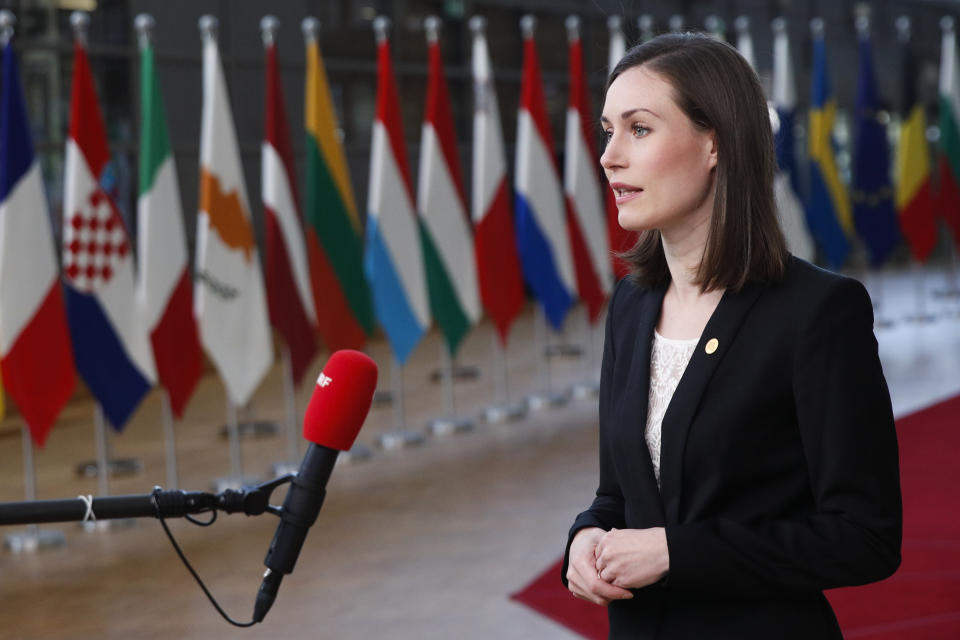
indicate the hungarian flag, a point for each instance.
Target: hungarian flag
{"x":230,"y":300}
{"x":110,"y":343}
{"x":913,"y":193}
{"x":873,"y":210}
{"x":35,"y":356}
{"x":581,"y":185}
{"x":289,"y":296}
{"x":445,"y":233}
{"x":786,"y":181}
{"x":620,"y":239}
{"x":344,"y":309}
{"x":828,"y":207}
{"x":165,"y":290}
{"x":542,"y":235}
{"x":498,"y":264}
{"x":948,"y":195}
{"x":393,"y":261}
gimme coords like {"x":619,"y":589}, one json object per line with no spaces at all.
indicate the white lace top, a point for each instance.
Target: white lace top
{"x":668,"y":361}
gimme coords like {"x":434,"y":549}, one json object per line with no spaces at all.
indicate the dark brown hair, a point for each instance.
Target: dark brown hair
{"x":719,"y":91}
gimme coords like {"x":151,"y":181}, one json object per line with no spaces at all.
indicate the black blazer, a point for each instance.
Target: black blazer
{"x":779,"y":462}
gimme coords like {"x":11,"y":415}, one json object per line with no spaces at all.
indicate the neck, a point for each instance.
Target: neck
{"x":683,"y":248}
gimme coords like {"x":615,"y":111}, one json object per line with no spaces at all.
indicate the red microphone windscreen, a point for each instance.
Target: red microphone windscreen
{"x":341,"y":400}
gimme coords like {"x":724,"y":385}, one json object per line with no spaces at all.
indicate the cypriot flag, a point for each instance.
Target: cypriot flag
{"x":230,"y":302}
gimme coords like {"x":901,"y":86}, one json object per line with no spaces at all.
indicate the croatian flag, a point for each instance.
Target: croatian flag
{"x":35,"y":356}
{"x":393,"y":261}
{"x":542,"y":236}
{"x":581,"y":183}
{"x":110,"y":343}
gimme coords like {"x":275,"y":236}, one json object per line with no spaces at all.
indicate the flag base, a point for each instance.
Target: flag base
{"x":117,"y":467}
{"x":234,"y":482}
{"x":504,"y":413}
{"x":98,"y":526}
{"x":358,"y":453}
{"x":33,"y":540}
{"x":400,"y":440}
{"x":447,"y":426}
{"x":584,"y":390}
{"x":563,"y":351}
{"x":255,"y":429}
{"x":460,"y":372}
{"x":538,"y":401}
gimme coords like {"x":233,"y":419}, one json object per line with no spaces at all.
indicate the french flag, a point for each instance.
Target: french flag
{"x":110,"y":343}
{"x":586,"y":217}
{"x":35,"y":354}
{"x":393,"y":261}
{"x":541,"y":219}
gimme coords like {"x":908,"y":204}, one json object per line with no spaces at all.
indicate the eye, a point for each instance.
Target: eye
{"x":605,"y":135}
{"x":640,"y":131}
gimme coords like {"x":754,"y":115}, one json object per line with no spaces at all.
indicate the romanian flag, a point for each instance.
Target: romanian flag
{"x":873,"y":211}
{"x":344,"y":309}
{"x":828,"y":208}
{"x":949,"y":153}
{"x":913,"y":193}
{"x":289,"y":296}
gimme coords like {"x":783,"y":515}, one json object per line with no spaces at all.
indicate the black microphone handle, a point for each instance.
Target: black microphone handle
{"x":300,"y":508}
{"x":172,"y":504}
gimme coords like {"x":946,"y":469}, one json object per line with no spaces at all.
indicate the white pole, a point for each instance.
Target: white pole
{"x":233,"y":434}
{"x":290,"y":397}
{"x":446,"y":360}
{"x":169,"y":439}
{"x":103,"y":463}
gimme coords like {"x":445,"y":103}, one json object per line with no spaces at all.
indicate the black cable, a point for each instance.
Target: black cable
{"x":187,"y":562}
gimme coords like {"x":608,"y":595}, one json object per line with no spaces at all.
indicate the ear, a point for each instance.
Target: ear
{"x":711,"y":149}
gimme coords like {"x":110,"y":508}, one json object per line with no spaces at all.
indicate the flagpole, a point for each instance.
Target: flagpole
{"x":169,"y":439}
{"x":235,"y":479}
{"x":545,"y":397}
{"x":451,"y":422}
{"x":34,"y":538}
{"x":290,"y":404}
{"x":399,"y":437}
{"x":502,"y":410}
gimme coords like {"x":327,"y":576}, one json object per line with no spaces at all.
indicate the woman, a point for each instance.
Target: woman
{"x":748,"y":458}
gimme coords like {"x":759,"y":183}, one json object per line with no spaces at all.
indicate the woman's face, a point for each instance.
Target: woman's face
{"x":660,"y":167}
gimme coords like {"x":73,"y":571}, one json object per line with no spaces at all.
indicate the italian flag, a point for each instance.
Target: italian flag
{"x":165,"y":287}
{"x":344,"y":308}
{"x":445,"y":235}
{"x":949,"y":154}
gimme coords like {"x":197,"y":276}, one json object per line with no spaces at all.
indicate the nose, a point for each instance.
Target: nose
{"x":611,"y":158}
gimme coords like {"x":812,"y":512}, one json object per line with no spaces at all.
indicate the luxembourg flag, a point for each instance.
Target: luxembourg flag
{"x":110,"y":343}
{"x":620,"y":239}
{"x":498,"y":264}
{"x":542,"y":235}
{"x":445,"y":232}
{"x":289,"y":295}
{"x":35,"y":356}
{"x":581,"y":183}
{"x":165,"y":289}
{"x":393,"y":261}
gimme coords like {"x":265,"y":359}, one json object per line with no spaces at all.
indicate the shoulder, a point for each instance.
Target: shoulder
{"x":628,"y":295}
{"x":820,"y":298}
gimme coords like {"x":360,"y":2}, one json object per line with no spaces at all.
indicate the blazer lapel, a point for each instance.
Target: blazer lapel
{"x":714,"y":343}
{"x":634,"y":459}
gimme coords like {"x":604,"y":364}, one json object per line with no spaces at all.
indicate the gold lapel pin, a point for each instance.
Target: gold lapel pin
{"x":712,"y":345}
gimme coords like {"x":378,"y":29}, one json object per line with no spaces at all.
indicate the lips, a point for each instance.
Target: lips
{"x":625,"y":192}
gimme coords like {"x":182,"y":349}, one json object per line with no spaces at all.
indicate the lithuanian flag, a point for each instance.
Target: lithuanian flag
{"x":340,"y":291}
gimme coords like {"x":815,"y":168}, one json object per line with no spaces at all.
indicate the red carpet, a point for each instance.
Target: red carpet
{"x":921,"y":601}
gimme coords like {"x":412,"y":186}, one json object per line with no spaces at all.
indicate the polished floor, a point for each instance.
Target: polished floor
{"x":421,"y":542}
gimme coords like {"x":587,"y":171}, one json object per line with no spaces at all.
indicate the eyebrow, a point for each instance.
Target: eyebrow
{"x":629,"y":112}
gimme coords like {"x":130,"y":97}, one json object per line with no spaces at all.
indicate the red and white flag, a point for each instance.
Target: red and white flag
{"x":289,"y":295}
{"x":620,"y":239}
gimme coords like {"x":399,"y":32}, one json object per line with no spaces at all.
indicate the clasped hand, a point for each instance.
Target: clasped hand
{"x":604,"y":565}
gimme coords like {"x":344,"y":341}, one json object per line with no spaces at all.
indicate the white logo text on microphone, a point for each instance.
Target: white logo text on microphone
{"x":324,"y":380}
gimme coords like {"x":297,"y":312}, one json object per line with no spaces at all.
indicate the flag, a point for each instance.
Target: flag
{"x":913,"y":194}
{"x":498,"y":264}
{"x":828,"y":207}
{"x":445,"y":233}
{"x":542,"y":236}
{"x":744,"y":40}
{"x":289,"y":296}
{"x":110,"y":343}
{"x":620,"y":239}
{"x":35,"y":355}
{"x":581,"y":184}
{"x":393,"y":260}
{"x":344,"y":309}
{"x":948,"y":195}
{"x":873,"y":211}
{"x":165,"y":288}
{"x":786,"y":181}
{"x":230,"y":302}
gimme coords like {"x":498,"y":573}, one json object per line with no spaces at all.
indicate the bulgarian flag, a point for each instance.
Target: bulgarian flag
{"x":542,"y":235}
{"x":344,"y":309}
{"x":393,"y":260}
{"x":581,"y":186}
{"x":949,"y":152}
{"x":498,"y":264}
{"x":912,"y":191}
{"x":289,"y":296}
{"x":621,"y":239}
{"x":165,"y":288}
{"x":35,"y":355}
{"x":445,"y":233}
